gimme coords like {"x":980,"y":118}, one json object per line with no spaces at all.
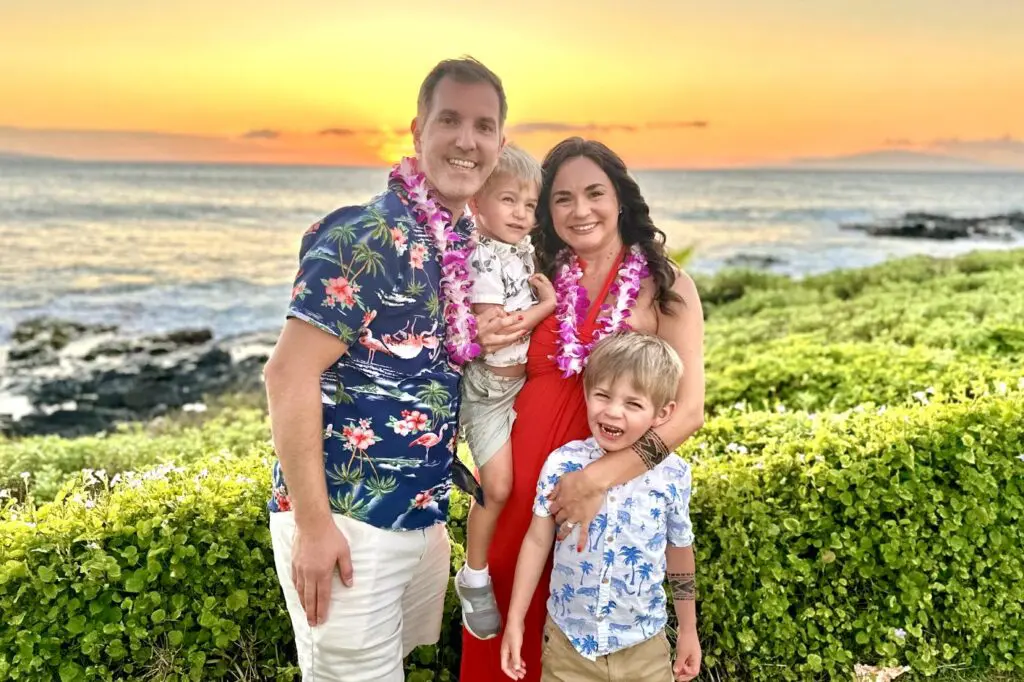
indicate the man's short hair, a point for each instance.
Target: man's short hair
{"x":463,"y":70}
{"x":517,"y":164}
{"x":651,"y":364}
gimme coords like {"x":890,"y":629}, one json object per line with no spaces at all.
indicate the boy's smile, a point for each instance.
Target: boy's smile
{"x":618,"y":413}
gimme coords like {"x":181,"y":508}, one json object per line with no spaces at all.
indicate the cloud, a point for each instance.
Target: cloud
{"x":140,"y":145}
{"x":339,"y":132}
{"x":679,"y":124}
{"x":561,"y":127}
{"x":263,"y":134}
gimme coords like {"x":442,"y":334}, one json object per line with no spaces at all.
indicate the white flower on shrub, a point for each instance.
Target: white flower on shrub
{"x":1020,"y":457}
{"x":900,"y":633}
{"x":922,"y":396}
{"x":194,"y":407}
{"x":780,"y":408}
{"x":881,"y":410}
{"x":90,"y":503}
{"x":736,"y":447}
{"x":25,"y":475}
{"x":1020,"y":383}
{"x":5,"y":493}
{"x":1001,"y":388}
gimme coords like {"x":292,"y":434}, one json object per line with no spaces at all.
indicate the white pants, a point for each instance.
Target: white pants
{"x":396,"y":602}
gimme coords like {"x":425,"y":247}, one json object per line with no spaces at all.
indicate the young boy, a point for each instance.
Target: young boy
{"x":607,"y":607}
{"x":502,"y":270}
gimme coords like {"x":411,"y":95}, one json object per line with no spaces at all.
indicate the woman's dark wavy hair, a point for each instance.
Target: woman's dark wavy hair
{"x":635,"y":224}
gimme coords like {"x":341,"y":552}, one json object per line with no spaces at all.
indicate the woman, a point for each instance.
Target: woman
{"x":590,"y":209}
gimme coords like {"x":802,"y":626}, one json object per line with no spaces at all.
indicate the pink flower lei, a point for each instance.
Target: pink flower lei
{"x":571,"y":306}
{"x":460,"y":338}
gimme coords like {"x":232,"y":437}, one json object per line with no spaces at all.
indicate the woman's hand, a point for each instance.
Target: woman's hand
{"x":575,"y":501}
{"x":496,"y":329}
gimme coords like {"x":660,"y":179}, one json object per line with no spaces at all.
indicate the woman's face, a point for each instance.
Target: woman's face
{"x":585,"y":208}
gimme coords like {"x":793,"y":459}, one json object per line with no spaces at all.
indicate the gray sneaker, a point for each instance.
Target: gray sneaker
{"x":479,"y":610}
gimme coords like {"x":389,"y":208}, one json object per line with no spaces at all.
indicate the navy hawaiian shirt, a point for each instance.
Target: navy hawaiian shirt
{"x":370,"y":275}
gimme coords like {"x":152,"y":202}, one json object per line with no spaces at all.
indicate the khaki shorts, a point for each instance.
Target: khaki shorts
{"x":487,"y":414}
{"x":650,"y":661}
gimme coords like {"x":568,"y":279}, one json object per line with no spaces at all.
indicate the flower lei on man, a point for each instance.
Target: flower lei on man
{"x":571,"y":306}
{"x":460,"y":338}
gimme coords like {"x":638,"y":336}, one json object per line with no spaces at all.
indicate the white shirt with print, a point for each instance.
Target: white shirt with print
{"x":500,"y":274}
{"x":611,"y":595}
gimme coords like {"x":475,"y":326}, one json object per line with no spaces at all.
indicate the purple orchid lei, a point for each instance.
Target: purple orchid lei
{"x":460,"y":338}
{"x":571,"y":306}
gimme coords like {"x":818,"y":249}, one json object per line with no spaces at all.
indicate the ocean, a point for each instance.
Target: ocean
{"x":156,"y":247}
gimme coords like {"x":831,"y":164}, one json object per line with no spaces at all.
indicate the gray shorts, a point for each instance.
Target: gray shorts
{"x":487,"y":414}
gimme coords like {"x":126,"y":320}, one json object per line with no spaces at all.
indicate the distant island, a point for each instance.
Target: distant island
{"x":899,"y":160}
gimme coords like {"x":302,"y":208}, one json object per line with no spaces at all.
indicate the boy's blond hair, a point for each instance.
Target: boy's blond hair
{"x":651,"y":364}
{"x":517,"y":164}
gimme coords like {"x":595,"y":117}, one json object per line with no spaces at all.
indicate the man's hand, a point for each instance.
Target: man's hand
{"x":687,"y":663}
{"x":496,"y":329}
{"x":577,"y":498}
{"x":511,"y":651}
{"x":543,"y":287}
{"x":317,"y":551}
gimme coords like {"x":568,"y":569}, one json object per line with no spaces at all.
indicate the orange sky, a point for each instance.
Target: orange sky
{"x":770,"y":79}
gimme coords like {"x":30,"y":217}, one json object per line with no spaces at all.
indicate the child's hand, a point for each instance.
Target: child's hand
{"x":511,"y":651}
{"x":687,"y":663}
{"x":542,"y":285}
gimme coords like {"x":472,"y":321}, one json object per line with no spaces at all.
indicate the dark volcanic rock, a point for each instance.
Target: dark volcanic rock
{"x":73,"y":379}
{"x":753,"y":260}
{"x":920,"y":225}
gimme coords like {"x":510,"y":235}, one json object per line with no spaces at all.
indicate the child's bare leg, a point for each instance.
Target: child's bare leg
{"x":496,"y":477}
{"x":473,"y":582}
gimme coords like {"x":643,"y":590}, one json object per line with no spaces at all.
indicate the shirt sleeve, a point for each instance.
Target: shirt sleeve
{"x":486,"y":271}
{"x":679,"y":486}
{"x":345,"y":264}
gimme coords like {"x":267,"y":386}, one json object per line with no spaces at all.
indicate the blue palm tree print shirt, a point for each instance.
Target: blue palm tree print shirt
{"x":370,"y":275}
{"x":611,"y":595}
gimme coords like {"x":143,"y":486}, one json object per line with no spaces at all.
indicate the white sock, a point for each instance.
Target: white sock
{"x":472,"y":577}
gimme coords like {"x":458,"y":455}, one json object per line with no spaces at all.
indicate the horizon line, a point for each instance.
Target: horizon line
{"x":792,"y":166}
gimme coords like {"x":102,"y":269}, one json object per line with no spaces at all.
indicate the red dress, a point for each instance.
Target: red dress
{"x":550,"y":413}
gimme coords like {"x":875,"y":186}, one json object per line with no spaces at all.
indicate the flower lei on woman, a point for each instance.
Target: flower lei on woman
{"x":571,"y":306}
{"x":460,"y":339}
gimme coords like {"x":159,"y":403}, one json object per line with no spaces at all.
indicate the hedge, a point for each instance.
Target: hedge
{"x":800,"y":372}
{"x":52,"y":460}
{"x":823,"y":541}
{"x":981,"y":312}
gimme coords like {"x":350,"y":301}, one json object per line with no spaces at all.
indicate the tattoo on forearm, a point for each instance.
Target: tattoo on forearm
{"x":651,"y":448}
{"x":683,"y":585}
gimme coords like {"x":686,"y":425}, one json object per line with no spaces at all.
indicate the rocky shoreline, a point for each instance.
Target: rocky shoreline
{"x":72,"y":379}
{"x":920,"y":225}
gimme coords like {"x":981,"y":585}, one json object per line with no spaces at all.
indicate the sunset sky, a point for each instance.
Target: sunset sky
{"x":667,"y":83}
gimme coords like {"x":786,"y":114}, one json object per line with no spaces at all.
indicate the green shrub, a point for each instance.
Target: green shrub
{"x":818,"y":551}
{"x":981,"y":313}
{"x":760,"y":290}
{"x":799,"y":372}
{"x":51,"y":460}
{"x":818,"y":536}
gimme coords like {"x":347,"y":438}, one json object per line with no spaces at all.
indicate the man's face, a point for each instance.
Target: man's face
{"x":459,"y":141}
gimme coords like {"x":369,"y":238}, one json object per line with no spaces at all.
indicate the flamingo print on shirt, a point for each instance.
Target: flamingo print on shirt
{"x":370,"y":275}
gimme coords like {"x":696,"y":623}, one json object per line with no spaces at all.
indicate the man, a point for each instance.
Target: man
{"x":364,"y":399}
